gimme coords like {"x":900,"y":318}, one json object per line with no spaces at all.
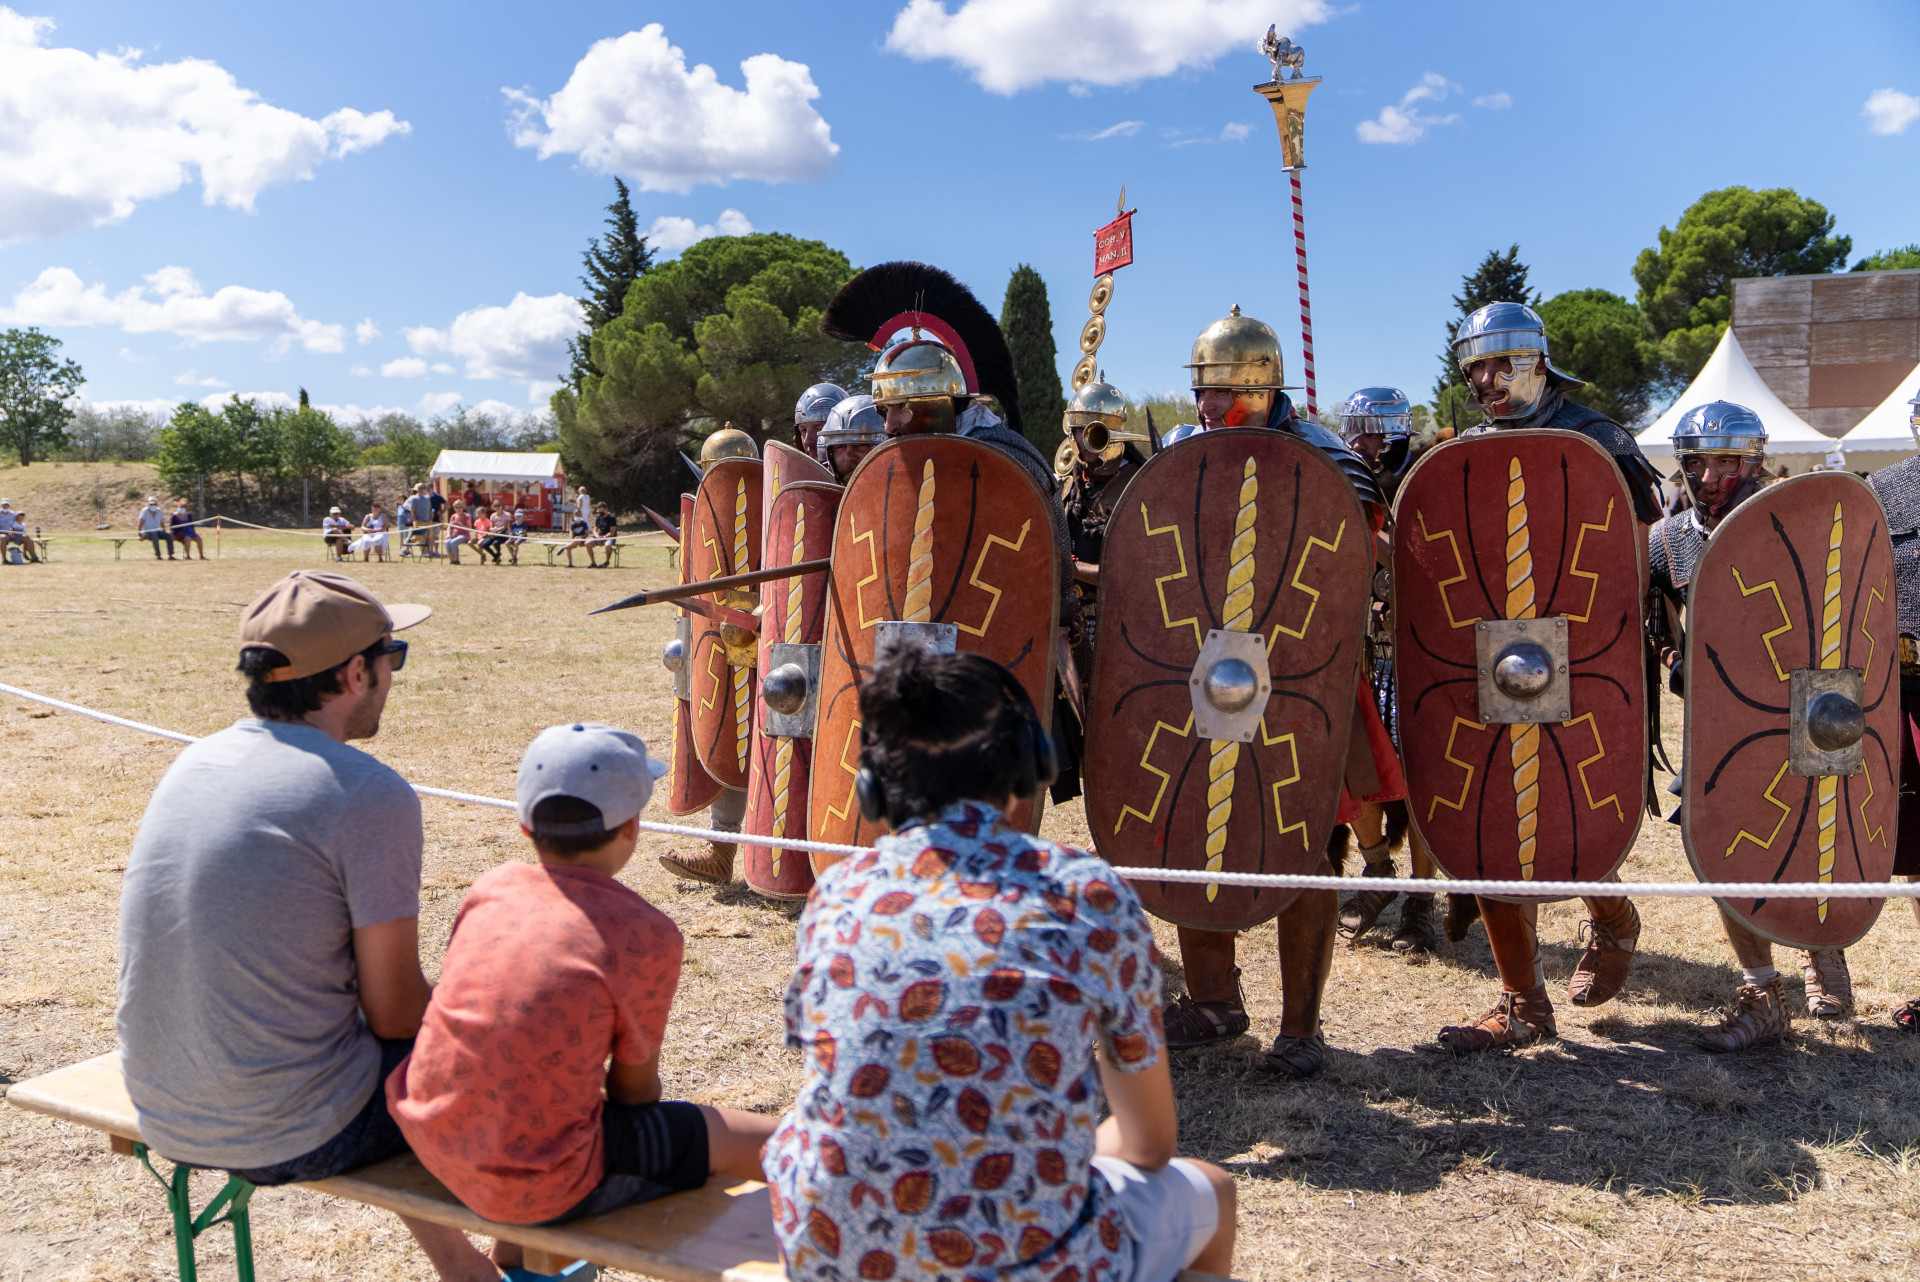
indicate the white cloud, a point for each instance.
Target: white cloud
{"x":84,"y":138}
{"x":192,"y":379}
{"x":500,"y":409}
{"x":669,"y":235}
{"x":1888,"y":111}
{"x":405,"y":367}
{"x":1234,"y":131}
{"x":1403,"y":125}
{"x":437,"y":403}
{"x":539,"y":392}
{"x":172,"y":302}
{"x":1125,"y":129}
{"x":1010,"y":45}
{"x":441,"y":367}
{"x":1494,"y":100}
{"x":128,"y":354}
{"x":526,"y":339}
{"x":161,"y":405}
{"x":265,"y":400}
{"x":632,"y":107}
{"x":360,"y":371}
{"x":366,"y":331}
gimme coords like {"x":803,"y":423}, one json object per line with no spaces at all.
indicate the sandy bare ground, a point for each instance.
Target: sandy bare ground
{"x":1618,"y":1152}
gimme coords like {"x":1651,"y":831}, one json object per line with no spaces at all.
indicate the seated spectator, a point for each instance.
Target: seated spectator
{"x":403,"y":522}
{"x":152,"y":524}
{"x":492,"y":533}
{"x":954,"y":1050}
{"x":460,"y":531}
{"x":606,"y":527}
{"x":577,"y":533}
{"x":555,"y":969}
{"x":269,"y":919}
{"x":338,"y":530}
{"x":517,"y":532}
{"x":420,"y":510}
{"x":186,"y":533}
{"x":373,"y":535}
{"x":13,"y":530}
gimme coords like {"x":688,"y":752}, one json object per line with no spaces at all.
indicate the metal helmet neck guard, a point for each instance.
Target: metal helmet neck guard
{"x":1237,"y":353}
{"x":852,"y":421}
{"x":1721,"y":428}
{"x":1515,"y":331}
{"x":728,"y":442}
{"x":816,"y":402}
{"x":1096,"y":419}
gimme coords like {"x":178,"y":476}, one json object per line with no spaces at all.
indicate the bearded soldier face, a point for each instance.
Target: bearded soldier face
{"x":1718,"y":480}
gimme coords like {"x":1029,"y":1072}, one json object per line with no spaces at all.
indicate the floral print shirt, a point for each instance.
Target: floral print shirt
{"x":950,"y":991}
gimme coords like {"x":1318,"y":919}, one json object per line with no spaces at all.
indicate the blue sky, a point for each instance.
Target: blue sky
{"x":244,"y":149}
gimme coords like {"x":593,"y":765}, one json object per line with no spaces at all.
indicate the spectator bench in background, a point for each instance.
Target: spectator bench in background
{"x":720,"y":1233}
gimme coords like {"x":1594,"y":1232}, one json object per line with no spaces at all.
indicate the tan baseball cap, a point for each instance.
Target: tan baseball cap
{"x":320,"y":620}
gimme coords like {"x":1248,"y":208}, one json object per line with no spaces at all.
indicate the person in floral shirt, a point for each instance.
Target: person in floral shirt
{"x":952,"y":991}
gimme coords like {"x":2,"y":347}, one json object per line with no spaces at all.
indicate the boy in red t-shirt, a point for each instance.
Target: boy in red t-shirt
{"x":553,"y":969}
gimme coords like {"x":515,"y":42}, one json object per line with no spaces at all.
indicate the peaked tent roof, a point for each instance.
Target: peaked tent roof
{"x":496,"y":465}
{"x":1886,"y":427}
{"x":1729,"y":376}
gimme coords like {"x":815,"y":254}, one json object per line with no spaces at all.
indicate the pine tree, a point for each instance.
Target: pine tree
{"x":613,"y":261}
{"x":1500,"y":278}
{"x":1027,"y":321}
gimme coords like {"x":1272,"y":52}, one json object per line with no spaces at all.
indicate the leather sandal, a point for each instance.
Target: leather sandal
{"x":1604,"y":963}
{"x":1907,"y":1018}
{"x":1758,"y":1014}
{"x":1297,"y":1056}
{"x":1418,"y":932}
{"x":1829,"y":984}
{"x":715,"y":868}
{"x":1519,"y":1019}
{"x":1363,"y":907}
{"x":1191,"y":1024}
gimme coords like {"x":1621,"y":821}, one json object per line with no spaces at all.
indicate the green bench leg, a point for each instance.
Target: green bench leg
{"x":187,"y":1227}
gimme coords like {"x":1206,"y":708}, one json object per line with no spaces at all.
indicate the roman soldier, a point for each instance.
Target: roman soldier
{"x":1899,"y":490}
{"x":715,"y":866}
{"x":1722,"y":448}
{"x":1099,"y":455}
{"x":1502,"y":351}
{"x":1377,"y":424}
{"x":1236,"y":368}
{"x":810,"y":413}
{"x":851,"y":430}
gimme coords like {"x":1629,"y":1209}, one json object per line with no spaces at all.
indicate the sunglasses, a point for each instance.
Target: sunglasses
{"x":396,"y":653}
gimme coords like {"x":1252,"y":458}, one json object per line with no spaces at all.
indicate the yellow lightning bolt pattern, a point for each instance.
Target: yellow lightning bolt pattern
{"x":918,"y":607}
{"x":1459,"y":571}
{"x":1829,"y":786}
{"x":1591,"y":576}
{"x":1786,"y":624}
{"x":976,"y":581}
{"x":1523,"y":740}
{"x":1160,"y":584}
{"x":1460,"y":802}
{"x":783,"y":755}
{"x":1313,"y":541}
{"x":1279,"y":817}
{"x":742,"y":705}
{"x":852,"y":768}
{"x":1146,"y":764}
{"x":1873,"y":834}
{"x":1781,"y":806}
{"x":1237,"y":616}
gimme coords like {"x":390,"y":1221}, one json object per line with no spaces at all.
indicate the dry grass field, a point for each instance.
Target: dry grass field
{"x":1619,"y":1151}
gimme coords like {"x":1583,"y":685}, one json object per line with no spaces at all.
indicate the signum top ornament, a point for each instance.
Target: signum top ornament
{"x":1284,"y":54}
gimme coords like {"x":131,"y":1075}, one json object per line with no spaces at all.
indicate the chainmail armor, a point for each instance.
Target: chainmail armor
{"x":1898,"y":488}
{"x":1674,"y":546}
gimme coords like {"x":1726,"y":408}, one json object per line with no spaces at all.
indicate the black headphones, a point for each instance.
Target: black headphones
{"x":1038,"y":767}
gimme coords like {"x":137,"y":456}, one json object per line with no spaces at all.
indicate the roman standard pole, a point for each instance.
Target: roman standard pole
{"x":1287,"y":95}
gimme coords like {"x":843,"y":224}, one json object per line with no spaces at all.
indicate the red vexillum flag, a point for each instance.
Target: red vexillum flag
{"x":1113,"y":244}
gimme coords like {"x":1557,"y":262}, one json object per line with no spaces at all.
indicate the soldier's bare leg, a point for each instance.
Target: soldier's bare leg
{"x":1758,"y":1014}
{"x":1419,"y":932}
{"x":1524,"y":1013}
{"x":1213,"y":1008}
{"x":1612,"y":931}
{"x":1306,"y":932}
{"x":715,"y":868}
{"x":1363,"y":907}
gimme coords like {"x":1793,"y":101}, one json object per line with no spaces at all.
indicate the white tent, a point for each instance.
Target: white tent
{"x":1729,"y":376}
{"x":1883,"y":437}
{"x":497,"y":465}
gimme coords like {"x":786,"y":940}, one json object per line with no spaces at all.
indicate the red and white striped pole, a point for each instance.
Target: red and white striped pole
{"x":1306,"y":306}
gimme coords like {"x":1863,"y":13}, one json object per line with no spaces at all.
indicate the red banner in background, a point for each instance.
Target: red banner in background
{"x":1113,"y":245}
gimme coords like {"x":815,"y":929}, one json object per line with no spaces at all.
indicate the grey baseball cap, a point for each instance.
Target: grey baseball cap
{"x":607,"y":768}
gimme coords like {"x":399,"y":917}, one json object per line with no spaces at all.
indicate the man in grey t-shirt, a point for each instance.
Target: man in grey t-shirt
{"x":269,"y":922}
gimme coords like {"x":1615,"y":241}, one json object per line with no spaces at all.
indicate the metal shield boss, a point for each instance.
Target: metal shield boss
{"x":1518,"y":577}
{"x":940,"y":541}
{"x":689,"y":786}
{"x":1793,"y":706}
{"x":797,"y":523}
{"x":724,"y":538}
{"x":1233,"y":593}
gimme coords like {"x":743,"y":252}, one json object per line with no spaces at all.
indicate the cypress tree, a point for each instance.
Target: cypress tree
{"x":1027,"y":321}
{"x":1500,"y":278}
{"x":613,"y":261}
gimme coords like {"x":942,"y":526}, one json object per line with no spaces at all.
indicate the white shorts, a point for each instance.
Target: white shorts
{"x":1171,"y":1214}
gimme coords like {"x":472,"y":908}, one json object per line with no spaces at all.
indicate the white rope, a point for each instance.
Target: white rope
{"x":1270,"y":881}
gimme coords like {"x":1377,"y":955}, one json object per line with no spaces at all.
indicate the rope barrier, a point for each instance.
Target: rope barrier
{"x":474,"y":536}
{"x":1270,"y":881}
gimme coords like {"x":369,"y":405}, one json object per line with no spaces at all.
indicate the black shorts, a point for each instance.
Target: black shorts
{"x":651,"y":1150}
{"x":372,"y":1136}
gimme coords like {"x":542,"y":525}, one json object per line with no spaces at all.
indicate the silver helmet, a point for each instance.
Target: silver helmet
{"x":1515,"y":331}
{"x":1376,"y":411}
{"x":1913,"y":420}
{"x":854,"y":420}
{"x":1720,"y":427}
{"x":815,"y":403}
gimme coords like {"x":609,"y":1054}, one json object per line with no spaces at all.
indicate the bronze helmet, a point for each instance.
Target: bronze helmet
{"x":917,"y":369}
{"x":1238,"y":353}
{"x":728,"y":442}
